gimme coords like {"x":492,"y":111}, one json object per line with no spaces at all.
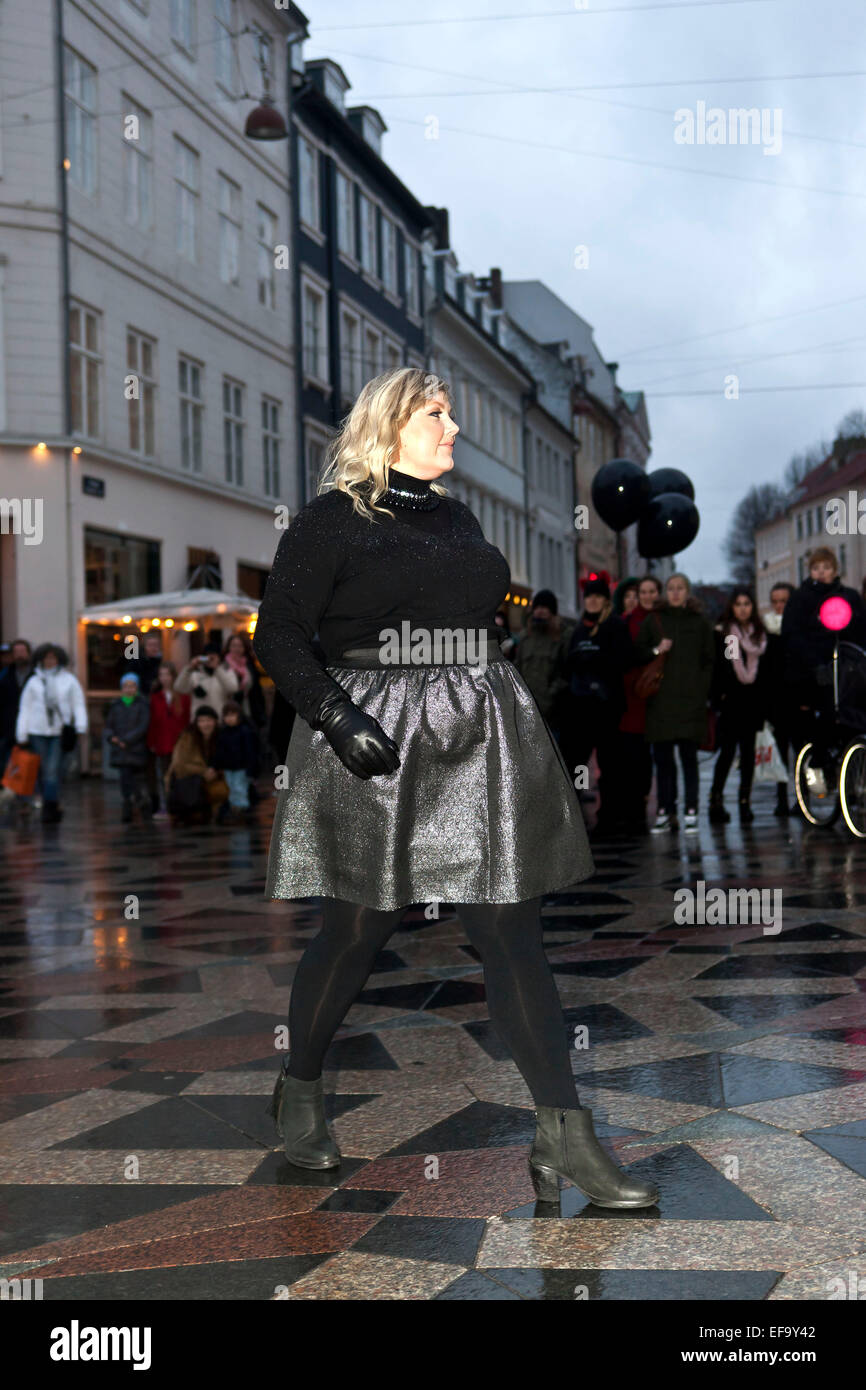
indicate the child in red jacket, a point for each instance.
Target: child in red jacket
{"x":169,"y":716}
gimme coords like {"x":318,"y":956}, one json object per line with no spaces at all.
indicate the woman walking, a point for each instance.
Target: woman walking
{"x":636,"y":765}
{"x":739,"y":694}
{"x":676,"y":716}
{"x":51,"y":715}
{"x":417,"y":775}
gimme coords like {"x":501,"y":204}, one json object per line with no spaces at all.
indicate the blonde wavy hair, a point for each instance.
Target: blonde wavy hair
{"x":359,"y":455}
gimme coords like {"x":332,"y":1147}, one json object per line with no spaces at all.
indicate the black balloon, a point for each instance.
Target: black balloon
{"x":667,"y":525}
{"x":619,"y":491}
{"x":670,"y":480}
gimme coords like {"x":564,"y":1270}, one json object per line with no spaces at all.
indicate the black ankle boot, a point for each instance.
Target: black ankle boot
{"x":746,"y":812}
{"x":298,"y":1110}
{"x":717,"y":813}
{"x":566,"y":1146}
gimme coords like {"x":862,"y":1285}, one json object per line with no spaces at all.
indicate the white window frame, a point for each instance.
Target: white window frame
{"x":182,"y":22}
{"x":81,"y":110}
{"x":389,"y":254}
{"x":350,"y":355}
{"x":141,"y":413}
{"x":138,"y":168}
{"x":187,"y":183}
{"x":86,"y":360}
{"x":191,"y":398}
{"x":410,"y":274}
{"x":308,"y":179}
{"x":234,"y":426}
{"x":230,"y":220}
{"x":369,"y":256}
{"x":266,"y":238}
{"x":372,"y":361}
{"x":346,"y":229}
{"x":315,"y":351}
{"x":391,"y":349}
{"x":271,"y":440}
{"x":224,"y":15}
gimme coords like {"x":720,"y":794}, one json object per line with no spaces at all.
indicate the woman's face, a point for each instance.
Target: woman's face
{"x":823,"y":571}
{"x":236,"y":647}
{"x":49,"y":660}
{"x":647,"y":593}
{"x":629,"y":602}
{"x":206,"y":724}
{"x":166,"y":679}
{"x":593,"y":603}
{"x":677,"y":592}
{"x":742,"y":608}
{"x":427,"y":440}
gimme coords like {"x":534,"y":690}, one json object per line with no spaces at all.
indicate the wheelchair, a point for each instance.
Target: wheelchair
{"x":830,"y":771}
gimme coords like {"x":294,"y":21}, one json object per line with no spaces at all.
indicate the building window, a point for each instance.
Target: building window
{"x":350,"y":354}
{"x":84,"y":370}
{"x":80,"y":111}
{"x":809,"y":523}
{"x":186,"y":183}
{"x":229,"y":231}
{"x":224,"y":15}
{"x":233,"y":430}
{"x":410,"y":267}
{"x":315,"y":346}
{"x":271,"y":446}
{"x":369,"y":258}
{"x":372,"y":350}
{"x":117,"y":567}
{"x":183,"y":24}
{"x":266,"y":238}
{"x":393,"y":356}
{"x":309,"y":183}
{"x":345,"y":214}
{"x":137,"y":165}
{"x":191,"y":413}
{"x":799,"y":526}
{"x":141,"y":363}
{"x":842,"y":560}
{"x":252,"y":580}
{"x":389,"y":255}
{"x":801,"y":568}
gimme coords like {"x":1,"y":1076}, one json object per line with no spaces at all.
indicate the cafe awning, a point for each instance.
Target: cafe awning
{"x":178,"y":606}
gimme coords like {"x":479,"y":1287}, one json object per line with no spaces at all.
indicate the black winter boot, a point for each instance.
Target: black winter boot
{"x":717,"y":813}
{"x":566,"y":1146}
{"x":298,"y":1110}
{"x":51,"y":813}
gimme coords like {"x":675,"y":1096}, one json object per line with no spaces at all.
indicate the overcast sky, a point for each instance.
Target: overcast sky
{"x":704,"y":259}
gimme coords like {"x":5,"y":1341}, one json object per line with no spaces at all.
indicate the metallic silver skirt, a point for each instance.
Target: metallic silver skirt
{"x":481,"y":809}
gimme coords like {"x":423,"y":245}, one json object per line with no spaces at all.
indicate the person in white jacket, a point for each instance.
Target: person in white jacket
{"x":50,"y":699}
{"x":207,"y":680}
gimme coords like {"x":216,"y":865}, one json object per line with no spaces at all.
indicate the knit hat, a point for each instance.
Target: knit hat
{"x":546,"y":598}
{"x":596,"y":586}
{"x":130,"y":676}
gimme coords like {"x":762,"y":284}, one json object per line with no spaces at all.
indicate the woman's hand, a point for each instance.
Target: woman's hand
{"x":664,"y":645}
{"x":358,"y":740}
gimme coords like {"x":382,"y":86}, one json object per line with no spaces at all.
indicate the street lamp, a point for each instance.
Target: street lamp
{"x":265,"y":122}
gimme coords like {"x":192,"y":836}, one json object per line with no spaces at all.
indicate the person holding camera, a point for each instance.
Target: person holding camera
{"x":207,"y":680}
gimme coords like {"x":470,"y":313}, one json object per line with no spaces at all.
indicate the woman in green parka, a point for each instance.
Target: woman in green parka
{"x":676,"y":716}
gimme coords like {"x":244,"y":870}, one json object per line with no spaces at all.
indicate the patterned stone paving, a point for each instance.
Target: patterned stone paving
{"x":143,"y":978}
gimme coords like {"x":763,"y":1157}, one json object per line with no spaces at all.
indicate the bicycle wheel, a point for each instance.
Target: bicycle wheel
{"x":852,"y":787}
{"x":816,"y":781}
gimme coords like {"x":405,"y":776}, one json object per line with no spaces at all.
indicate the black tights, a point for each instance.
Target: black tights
{"x":522,"y":997}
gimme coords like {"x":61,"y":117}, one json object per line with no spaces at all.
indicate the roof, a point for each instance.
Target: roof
{"x":828,"y":477}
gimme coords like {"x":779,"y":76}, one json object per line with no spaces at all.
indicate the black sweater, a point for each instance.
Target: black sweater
{"x":347,"y":578}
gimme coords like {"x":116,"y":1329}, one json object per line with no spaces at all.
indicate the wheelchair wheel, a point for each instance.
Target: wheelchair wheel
{"x":852,"y":787}
{"x":816,"y":780}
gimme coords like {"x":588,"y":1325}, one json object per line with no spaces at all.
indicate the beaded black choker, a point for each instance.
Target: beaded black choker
{"x":413,"y":493}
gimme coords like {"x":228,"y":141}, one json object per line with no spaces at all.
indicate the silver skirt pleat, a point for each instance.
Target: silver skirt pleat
{"x":481,"y":809}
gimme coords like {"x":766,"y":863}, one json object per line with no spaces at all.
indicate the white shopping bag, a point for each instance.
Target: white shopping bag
{"x":768,"y":763}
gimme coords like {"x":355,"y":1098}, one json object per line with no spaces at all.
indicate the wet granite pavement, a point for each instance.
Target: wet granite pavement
{"x":142,"y":983}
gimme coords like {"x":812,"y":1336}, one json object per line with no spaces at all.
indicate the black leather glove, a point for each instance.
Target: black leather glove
{"x":358,"y":740}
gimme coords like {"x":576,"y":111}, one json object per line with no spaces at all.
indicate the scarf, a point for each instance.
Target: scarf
{"x":51,"y":693}
{"x":748,"y":670}
{"x":239,"y":665}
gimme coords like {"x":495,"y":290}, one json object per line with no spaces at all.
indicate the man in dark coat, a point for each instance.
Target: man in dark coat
{"x":809,"y":644}
{"x":599,"y":653}
{"x":539,"y":652}
{"x":12,"y":681}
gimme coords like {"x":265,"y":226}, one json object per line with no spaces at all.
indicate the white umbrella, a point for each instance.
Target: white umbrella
{"x":179,"y":605}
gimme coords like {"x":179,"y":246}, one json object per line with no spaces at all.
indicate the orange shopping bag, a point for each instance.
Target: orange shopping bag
{"x":21,"y":770}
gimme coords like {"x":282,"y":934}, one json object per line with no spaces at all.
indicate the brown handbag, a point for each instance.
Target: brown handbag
{"x":650,"y":678}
